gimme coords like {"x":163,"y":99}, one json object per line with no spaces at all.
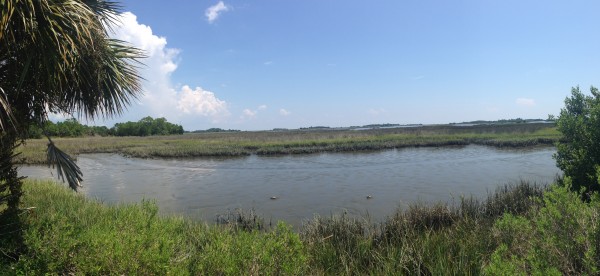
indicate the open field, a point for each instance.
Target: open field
{"x":297,"y":142}
{"x":520,"y":229}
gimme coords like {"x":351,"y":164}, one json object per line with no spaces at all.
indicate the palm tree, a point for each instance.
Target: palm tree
{"x":56,"y":56}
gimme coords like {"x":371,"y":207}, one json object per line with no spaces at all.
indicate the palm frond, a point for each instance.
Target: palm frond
{"x":105,"y":10}
{"x":107,"y":80}
{"x":6,"y":115}
{"x":66,"y":168}
{"x":56,"y":55}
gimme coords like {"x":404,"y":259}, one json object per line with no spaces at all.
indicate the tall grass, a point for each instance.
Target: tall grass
{"x":434,"y":239}
{"x":297,"y":142}
{"x":67,"y":233}
{"x":521,"y":228}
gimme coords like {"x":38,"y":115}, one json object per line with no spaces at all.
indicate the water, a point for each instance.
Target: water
{"x":306,"y":185}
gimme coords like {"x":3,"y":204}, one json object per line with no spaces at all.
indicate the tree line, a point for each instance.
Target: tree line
{"x":147,"y":126}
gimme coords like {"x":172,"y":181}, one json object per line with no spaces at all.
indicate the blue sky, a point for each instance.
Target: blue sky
{"x":285,"y":64}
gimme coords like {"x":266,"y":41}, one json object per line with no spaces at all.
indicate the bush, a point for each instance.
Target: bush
{"x":562,"y":237}
{"x":578,"y":153}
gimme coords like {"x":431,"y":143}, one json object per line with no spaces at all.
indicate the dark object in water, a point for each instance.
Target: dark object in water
{"x":273,"y":197}
{"x":369,"y":196}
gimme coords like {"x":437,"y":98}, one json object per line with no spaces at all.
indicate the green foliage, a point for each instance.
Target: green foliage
{"x":578,"y":152}
{"x":226,"y":252}
{"x":72,"y":128}
{"x":67,"y":128}
{"x":562,"y":237}
{"x":67,"y":233}
{"x":340,"y":244}
{"x":147,"y":126}
{"x":57,"y":56}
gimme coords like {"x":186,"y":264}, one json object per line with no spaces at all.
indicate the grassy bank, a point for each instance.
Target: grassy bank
{"x":297,"y":142}
{"x":522,"y":228}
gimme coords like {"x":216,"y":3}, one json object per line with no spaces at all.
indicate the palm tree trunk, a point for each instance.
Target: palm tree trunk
{"x":10,"y":195}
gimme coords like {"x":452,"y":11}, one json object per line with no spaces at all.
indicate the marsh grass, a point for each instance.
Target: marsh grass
{"x":296,"y":142}
{"x":521,"y":228}
{"x":436,"y":239}
{"x":244,"y":220}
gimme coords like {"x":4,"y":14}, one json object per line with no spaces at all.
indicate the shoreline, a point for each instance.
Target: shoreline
{"x":267,"y":143}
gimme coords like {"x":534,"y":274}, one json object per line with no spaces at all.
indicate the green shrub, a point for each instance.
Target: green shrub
{"x":578,"y":152}
{"x":562,"y":237}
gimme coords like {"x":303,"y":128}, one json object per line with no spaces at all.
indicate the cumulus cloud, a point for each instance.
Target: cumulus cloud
{"x":525,"y":102}
{"x":200,"y":102}
{"x":161,"y":98}
{"x":213,"y":12}
{"x":251,"y":113}
{"x":284,"y":112}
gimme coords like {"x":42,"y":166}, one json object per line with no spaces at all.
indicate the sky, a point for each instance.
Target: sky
{"x":256,"y":65}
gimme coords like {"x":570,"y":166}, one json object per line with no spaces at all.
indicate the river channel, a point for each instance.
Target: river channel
{"x":365,"y":183}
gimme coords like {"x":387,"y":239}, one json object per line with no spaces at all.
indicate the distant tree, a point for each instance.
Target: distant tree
{"x":213,"y":129}
{"x":145,"y":127}
{"x":98,"y":131}
{"x":69,"y":128}
{"x":578,"y":152}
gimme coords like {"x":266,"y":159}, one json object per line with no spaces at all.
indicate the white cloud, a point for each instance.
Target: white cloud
{"x":161,"y":98}
{"x":284,"y":112}
{"x":213,"y":12}
{"x":247,"y":113}
{"x":251,"y":113}
{"x":268,"y":62}
{"x":200,"y":102}
{"x":525,"y":102}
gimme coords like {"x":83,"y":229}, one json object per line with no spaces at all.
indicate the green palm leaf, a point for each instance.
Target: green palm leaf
{"x":66,"y":168}
{"x":57,"y":56}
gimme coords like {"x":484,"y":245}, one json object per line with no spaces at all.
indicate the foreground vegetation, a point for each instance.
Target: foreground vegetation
{"x":520,"y":229}
{"x":297,"y":142}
